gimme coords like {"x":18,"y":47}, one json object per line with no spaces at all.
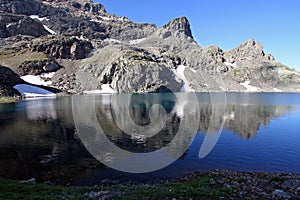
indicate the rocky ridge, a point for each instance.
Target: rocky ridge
{"x":88,"y":49}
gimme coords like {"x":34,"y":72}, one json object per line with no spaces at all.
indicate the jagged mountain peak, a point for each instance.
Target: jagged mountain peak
{"x":179,"y":27}
{"x":252,"y":44}
{"x":67,"y":1}
{"x":250,"y":49}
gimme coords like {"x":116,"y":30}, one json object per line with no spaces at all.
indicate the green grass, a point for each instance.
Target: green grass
{"x":8,"y":99}
{"x":14,"y":60}
{"x":235,"y":72}
{"x":241,"y":180}
{"x":196,"y":188}
{"x":15,"y":190}
{"x":275,"y":179}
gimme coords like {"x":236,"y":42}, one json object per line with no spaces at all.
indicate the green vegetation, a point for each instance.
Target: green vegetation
{"x":8,"y":99}
{"x":204,"y":187}
{"x":275,"y":179}
{"x":13,"y":60}
{"x":291,"y":76}
{"x":16,"y":190}
{"x":194,"y":189}
{"x":235,"y":72}
{"x":241,"y":180}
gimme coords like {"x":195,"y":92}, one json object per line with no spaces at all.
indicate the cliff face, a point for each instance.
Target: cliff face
{"x":90,"y":49}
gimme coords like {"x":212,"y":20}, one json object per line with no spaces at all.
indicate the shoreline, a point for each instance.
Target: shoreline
{"x":9,"y":99}
{"x":218,"y":184}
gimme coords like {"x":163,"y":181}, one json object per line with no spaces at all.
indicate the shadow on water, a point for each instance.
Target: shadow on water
{"x":38,"y":137}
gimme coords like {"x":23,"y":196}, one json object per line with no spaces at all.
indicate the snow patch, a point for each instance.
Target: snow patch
{"x":105,"y":18}
{"x":249,"y":88}
{"x":30,"y":91}
{"x":39,"y":18}
{"x":137,"y":41}
{"x":234,"y":65}
{"x":47,"y":75}
{"x":179,"y":72}
{"x":112,"y":40}
{"x":229,"y":116}
{"x":277,"y":90}
{"x":105,"y":89}
{"x":38,"y":80}
{"x":94,"y":20}
{"x":193,"y":70}
{"x":8,"y":25}
{"x":49,"y":30}
{"x":102,"y":17}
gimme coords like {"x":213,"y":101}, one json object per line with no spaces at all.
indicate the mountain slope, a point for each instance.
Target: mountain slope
{"x":87,"y":49}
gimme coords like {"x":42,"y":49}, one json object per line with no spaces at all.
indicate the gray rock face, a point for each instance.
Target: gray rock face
{"x":37,"y":67}
{"x":30,"y":7}
{"x":145,"y":78}
{"x":75,"y":26}
{"x":178,"y":27}
{"x":25,"y":7}
{"x":63,"y":47}
{"x":127,"y":71}
{"x":27,"y":26}
{"x":130,"y":31}
{"x":251,"y":50}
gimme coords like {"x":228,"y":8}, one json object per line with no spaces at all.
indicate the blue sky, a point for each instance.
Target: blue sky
{"x":226,"y":23}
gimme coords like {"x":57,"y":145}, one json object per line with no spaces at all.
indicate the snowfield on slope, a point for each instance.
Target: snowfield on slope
{"x":29,"y":91}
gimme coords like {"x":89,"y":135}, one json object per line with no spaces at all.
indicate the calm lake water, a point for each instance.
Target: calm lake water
{"x":54,"y":139}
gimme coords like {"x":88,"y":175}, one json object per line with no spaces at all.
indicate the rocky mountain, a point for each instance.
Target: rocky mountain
{"x":77,"y":47}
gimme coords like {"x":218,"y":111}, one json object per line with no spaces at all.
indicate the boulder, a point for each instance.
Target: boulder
{"x":27,"y":26}
{"x":36,"y":67}
{"x":281,"y":194}
{"x":51,"y":66}
{"x":80,"y":49}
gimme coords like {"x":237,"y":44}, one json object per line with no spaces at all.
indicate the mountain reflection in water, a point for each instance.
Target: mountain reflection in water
{"x":38,"y":137}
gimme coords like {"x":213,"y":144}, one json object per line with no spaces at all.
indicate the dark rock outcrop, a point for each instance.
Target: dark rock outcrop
{"x":24,"y":7}
{"x":30,"y":7}
{"x":3,"y":31}
{"x":27,"y":26}
{"x":63,"y":47}
{"x":126,"y":31}
{"x":37,"y":67}
{"x":75,"y":26}
{"x":8,"y":79}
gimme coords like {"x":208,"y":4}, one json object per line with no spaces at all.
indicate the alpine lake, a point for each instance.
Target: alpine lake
{"x":83,"y":140}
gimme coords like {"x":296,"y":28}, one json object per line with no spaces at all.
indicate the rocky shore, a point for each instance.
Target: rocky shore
{"x":253,"y":185}
{"x":221,"y":184}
